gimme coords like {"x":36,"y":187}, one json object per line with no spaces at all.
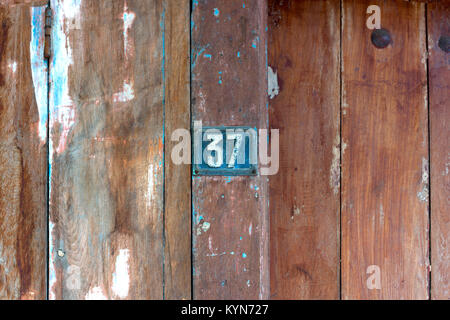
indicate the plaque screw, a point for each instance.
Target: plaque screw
{"x":381,"y":38}
{"x":444,"y":43}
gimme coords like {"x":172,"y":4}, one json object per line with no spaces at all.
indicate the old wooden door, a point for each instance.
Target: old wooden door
{"x":93,"y":207}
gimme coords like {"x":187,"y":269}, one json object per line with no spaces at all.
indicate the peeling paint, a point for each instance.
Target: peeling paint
{"x":95,"y":293}
{"x":205,"y":226}
{"x":296,"y":211}
{"x":335,"y":170}
{"x":272,"y":83}
{"x":121,"y":275}
{"x":344,"y":147}
{"x":13,"y":65}
{"x":61,"y":104}
{"x":39,"y":68}
{"x":65,"y":116}
{"x":255,"y":42}
{"x":128,"y":18}
{"x":423,"y":194}
{"x":126,"y":94}
{"x":51,"y":271}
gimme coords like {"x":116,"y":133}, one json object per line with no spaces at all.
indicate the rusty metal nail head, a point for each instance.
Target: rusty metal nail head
{"x":381,"y":38}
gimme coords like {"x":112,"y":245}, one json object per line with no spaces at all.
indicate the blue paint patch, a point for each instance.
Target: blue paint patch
{"x":244,"y":255}
{"x":39,"y":68}
{"x":208,"y":56}
{"x":255,"y":42}
{"x":195,"y":53}
{"x":238,"y":54}
{"x":216,"y":12}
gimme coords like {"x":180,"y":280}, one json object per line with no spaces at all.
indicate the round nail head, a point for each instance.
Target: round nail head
{"x":381,"y":38}
{"x":444,"y":43}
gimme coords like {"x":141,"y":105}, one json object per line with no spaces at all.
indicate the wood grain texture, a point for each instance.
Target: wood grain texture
{"x":385,"y":153}
{"x":439,"y":85}
{"x":229,"y":85}
{"x":23,"y":155}
{"x":304,"y":44}
{"x":106,"y":150}
{"x":177,"y":187}
{"x":13,"y":3}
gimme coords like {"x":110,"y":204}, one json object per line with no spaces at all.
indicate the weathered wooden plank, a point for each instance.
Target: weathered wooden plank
{"x":439,"y":82}
{"x":28,"y":3}
{"x":177,"y":190}
{"x":23,"y":154}
{"x":106,"y":150}
{"x":385,"y":154}
{"x":229,"y":85}
{"x":304,"y":44}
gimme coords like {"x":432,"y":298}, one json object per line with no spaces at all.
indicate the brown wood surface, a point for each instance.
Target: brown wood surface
{"x":229,"y":87}
{"x":439,"y":92}
{"x":385,"y":153}
{"x":27,"y":3}
{"x":177,"y":187}
{"x":23,"y":163}
{"x":304,"y":46}
{"x":107,"y":144}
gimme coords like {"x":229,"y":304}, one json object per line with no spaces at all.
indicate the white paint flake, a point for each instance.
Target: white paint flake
{"x":13,"y":65}
{"x":95,"y":293}
{"x":272,"y":83}
{"x":127,"y":93}
{"x":335,"y":170}
{"x":423,"y":194}
{"x":128,"y":18}
{"x":71,"y":8}
{"x":121,"y":275}
{"x":206,"y":226}
{"x":51,"y":271}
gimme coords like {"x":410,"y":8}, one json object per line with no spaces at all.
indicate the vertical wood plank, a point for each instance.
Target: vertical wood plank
{"x":23,"y":153}
{"x":229,"y":85}
{"x":385,"y":154}
{"x":177,"y":187}
{"x":106,"y":150}
{"x":439,"y":79}
{"x":304,"y":44}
